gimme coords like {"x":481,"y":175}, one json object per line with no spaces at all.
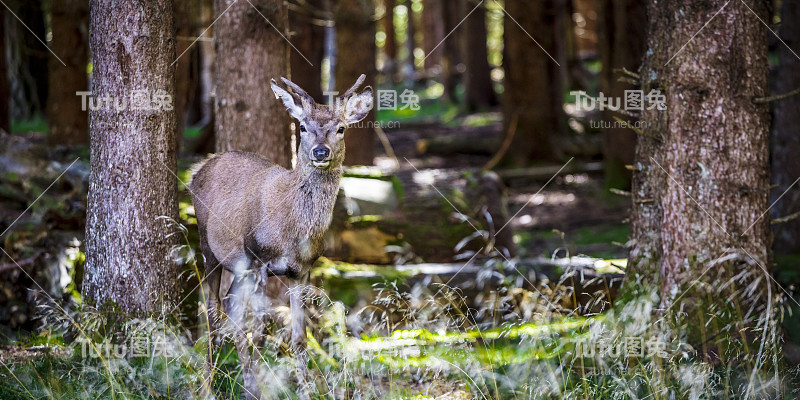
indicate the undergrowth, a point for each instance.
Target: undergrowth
{"x":515,"y":339}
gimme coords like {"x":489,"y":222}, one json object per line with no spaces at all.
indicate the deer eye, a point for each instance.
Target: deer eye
{"x":302,"y":128}
{"x":341,"y":130}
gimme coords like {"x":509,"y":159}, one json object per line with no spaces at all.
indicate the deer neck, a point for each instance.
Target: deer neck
{"x":316,"y":194}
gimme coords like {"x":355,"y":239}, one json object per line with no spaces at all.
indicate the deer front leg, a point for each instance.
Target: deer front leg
{"x":213,"y":278}
{"x":239,"y":307}
{"x":299,"y":330}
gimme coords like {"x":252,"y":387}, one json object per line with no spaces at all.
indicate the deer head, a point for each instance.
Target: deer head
{"x":322,"y":127}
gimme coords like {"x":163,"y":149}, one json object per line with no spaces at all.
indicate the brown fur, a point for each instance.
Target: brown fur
{"x":257,"y":219}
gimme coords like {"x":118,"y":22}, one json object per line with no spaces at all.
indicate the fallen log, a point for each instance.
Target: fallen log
{"x":578,"y":284}
{"x":545,"y":172}
{"x":483,"y":142}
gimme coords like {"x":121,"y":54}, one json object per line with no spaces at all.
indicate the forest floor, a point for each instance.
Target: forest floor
{"x":592,"y":220}
{"x":417,"y":342}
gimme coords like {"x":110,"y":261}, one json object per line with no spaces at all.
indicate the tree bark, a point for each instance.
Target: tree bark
{"x":309,"y":39}
{"x":533,"y":96}
{"x":703,"y":177}
{"x":250,"y":51}
{"x":68,"y":121}
{"x":355,"y":41}
{"x":479,"y":91}
{"x":622,"y":26}
{"x":785,"y":137}
{"x":132,"y":183}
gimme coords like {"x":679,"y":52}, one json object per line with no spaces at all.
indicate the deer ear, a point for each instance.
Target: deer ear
{"x":358,"y":106}
{"x":292,"y":102}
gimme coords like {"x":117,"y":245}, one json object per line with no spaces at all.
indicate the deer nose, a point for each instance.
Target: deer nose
{"x":320,"y":153}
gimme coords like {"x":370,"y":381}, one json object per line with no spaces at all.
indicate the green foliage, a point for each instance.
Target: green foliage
{"x":35,"y":124}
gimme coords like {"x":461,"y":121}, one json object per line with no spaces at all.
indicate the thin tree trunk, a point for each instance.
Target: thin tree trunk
{"x":703,"y":177}
{"x":309,"y":39}
{"x":533,"y":89}
{"x":433,"y":33}
{"x":452,"y":13}
{"x":28,"y":59}
{"x":250,"y":52}
{"x":208,"y":55}
{"x":623,"y":24}
{"x":4,"y":89}
{"x":32,"y":13}
{"x":390,"y":46}
{"x":132,"y":182}
{"x":68,"y":122}
{"x":409,"y":65}
{"x":183,"y":86}
{"x":355,"y":41}
{"x":786,"y":139}
{"x":479,"y":92}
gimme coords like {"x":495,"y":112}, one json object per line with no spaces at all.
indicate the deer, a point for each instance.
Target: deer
{"x":259,"y":220}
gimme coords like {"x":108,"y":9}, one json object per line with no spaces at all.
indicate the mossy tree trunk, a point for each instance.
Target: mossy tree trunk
{"x":251,"y":49}
{"x":355,"y":43}
{"x":132,"y":183}
{"x":702,"y":185}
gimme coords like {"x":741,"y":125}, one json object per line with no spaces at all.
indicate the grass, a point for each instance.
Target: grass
{"x":429,"y":341}
{"x":446,"y":355}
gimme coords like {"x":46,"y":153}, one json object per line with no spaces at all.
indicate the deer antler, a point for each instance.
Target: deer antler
{"x":300,"y":92}
{"x":352,"y":90}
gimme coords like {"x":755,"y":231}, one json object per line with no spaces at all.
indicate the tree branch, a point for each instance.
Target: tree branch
{"x":786,"y":218}
{"x":12,"y":265}
{"x":760,"y":100}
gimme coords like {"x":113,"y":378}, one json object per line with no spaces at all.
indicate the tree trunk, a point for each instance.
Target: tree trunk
{"x":250,"y":51}
{"x":786,"y":140}
{"x":27,"y":61}
{"x":433,"y":32}
{"x":309,"y":39}
{"x":452,"y":14}
{"x":622,"y":44}
{"x":183,"y":84}
{"x":132,"y":182}
{"x":208,"y":54}
{"x":4,"y":90}
{"x":409,"y":64}
{"x":479,"y":91}
{"x":390,"y":46}
{"x":68,"y":122}
{"x":701,"y":189}
{"x":533,"y":97}
{"x":355,"y":41}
